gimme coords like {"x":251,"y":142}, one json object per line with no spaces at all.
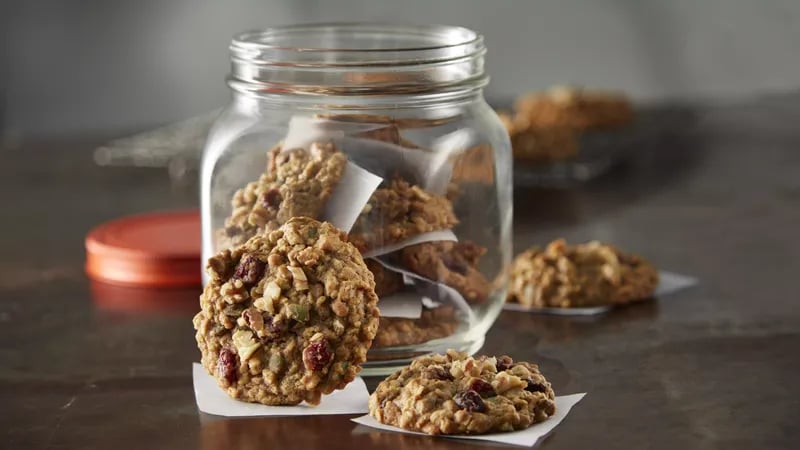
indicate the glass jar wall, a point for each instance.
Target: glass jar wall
{"x":382,"y":131}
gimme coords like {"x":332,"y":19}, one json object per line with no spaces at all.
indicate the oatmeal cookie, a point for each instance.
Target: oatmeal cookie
{"x":296,"y":183}
{"x":475,"y":165}
{"x":452,"y":263}
{"x":386,"y":129}
{"x":575,"y":108}
{"x":591,"y":274}
{"x":540,"y":145}
{"x":288,"y":316}
{"x":397,"y":212}
{"x":400,"y":122}
{"x":387,"y":282}
{"x":434,"y":323}
{"x":458,"y":394}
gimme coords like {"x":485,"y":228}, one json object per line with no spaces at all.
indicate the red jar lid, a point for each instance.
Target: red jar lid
{"x":156,"y":249}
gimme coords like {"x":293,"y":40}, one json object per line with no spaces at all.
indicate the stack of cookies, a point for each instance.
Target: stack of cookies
{"x":290,"y":309}
{"x":300,"y":182}
{"x":546,"y":127}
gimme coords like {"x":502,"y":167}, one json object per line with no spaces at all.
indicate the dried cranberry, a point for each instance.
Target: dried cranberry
{"x":482,"y":387}
{"x":504,"y":363}
{"x":470,"y":400}
{"x":455,"y":264}
{"x":535,"y":387}
{"x":437,"y":373}
{"x":226,"y":366}
{"x":317,"y":355}
{"x":250,"y":268}
{"x":275,"y":325}
{"x":272,"y":198}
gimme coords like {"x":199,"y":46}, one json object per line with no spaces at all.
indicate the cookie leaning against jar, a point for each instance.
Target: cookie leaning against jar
{"x":297,"y":182}
{"x":459,"y":394}
{"x":288,"y":316}
{"x":582,"y":275}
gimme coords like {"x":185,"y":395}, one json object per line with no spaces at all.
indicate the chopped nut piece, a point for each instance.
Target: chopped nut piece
{"x":300,"y":280}
{"x":245,"y":344}
{"x":253,"y":318}
{"x":276,"y":363}
{"x":272,"y":291}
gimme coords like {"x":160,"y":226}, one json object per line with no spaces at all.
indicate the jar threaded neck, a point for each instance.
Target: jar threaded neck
{"x":357,"y":59}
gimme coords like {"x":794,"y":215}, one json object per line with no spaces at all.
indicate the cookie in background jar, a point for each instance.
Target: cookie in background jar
{"x":556,"y":125}
{"x":575,"y":108}
{"x":297,"y":182}
{"x":452,"y":263}
{"x":397,"y":211}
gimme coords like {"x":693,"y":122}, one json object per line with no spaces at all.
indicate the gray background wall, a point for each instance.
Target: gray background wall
{"x":70,"y":67}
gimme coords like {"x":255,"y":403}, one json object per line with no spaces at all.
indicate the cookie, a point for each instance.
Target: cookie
{"x":296,"y":183}
{"x":434,"y":323}
{"x":400,"y":211}
{"x":575,"y":108}
{"x":288,"y":316}
{"x":387,"y":282}
{"x":458,"y":394}
{"x":540,"y":145}
{"x":475,"y":165}
{"x":451,"y":263}
{"x":591,"y":274}
{"x":400,"y":122}
{"x":384,"y":129}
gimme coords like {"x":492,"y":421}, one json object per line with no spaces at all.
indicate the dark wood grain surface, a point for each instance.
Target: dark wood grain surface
{"x":717,"y":197}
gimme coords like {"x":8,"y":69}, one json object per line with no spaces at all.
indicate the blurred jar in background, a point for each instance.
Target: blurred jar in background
{"x":383,"y":131}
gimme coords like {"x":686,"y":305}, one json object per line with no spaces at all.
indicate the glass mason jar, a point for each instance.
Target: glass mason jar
{"x":383,"y":131}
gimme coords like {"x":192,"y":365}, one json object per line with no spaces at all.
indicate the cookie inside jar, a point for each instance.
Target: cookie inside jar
{"x":419,"y":180}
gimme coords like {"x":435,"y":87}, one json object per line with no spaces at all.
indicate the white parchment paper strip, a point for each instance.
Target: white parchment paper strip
{"x":525,"y":438}
{"x":407,"y":305}
{"x":303,"y":130}
{"x":668,"y":283}
{"x":442,"y":293}
{"x":350,"y":196}
{"x":424,"y":168}
{"x":211,"y":399}
{"x":440,"y":235}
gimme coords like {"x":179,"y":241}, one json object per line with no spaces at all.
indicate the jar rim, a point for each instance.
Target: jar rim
{"x":356,"y":59}
{"x":356,"y":43}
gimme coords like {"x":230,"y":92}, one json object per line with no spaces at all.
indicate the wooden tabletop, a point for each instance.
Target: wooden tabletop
{"x":716,"y":366}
